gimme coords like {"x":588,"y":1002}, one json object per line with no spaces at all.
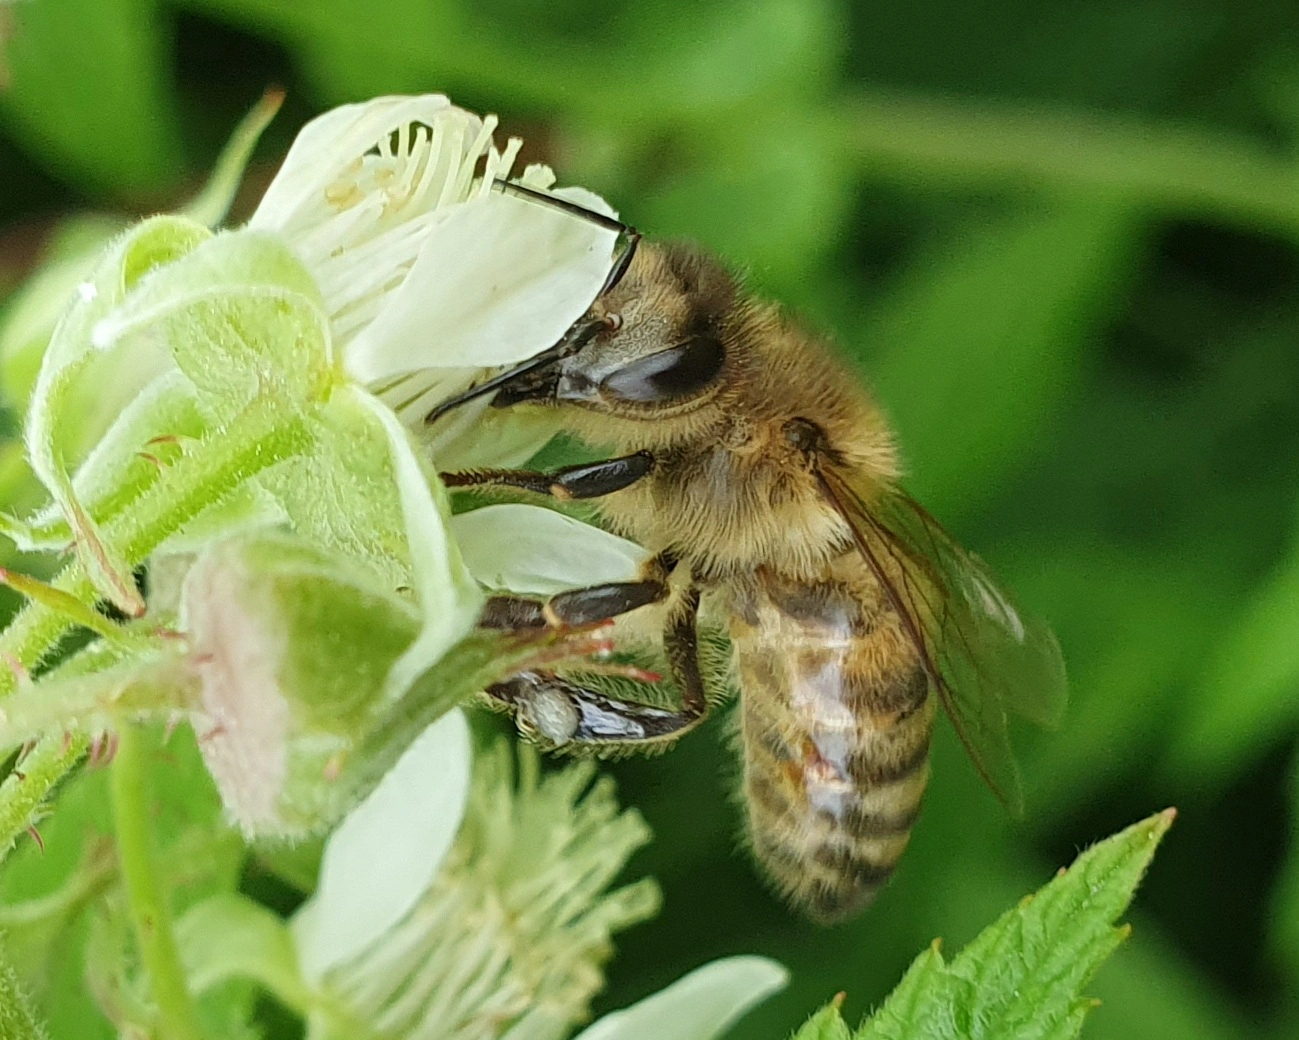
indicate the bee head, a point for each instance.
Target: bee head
{"x":653,"y":343}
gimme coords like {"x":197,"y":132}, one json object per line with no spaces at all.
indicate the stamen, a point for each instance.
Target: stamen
{"x":470,"y":164}
{"x":455,"y":151}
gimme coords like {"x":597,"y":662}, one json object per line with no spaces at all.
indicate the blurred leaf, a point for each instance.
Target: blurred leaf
{"x":1247,"y":694}
{"x":44,"y":908}
{"x":1284,"y":937}
{"x":30,"y":315}
{"x":1037,"y":49}
{"x":687,"y":61}
{"x":1022,"y":976}
{"x":229,"y":936}
{"x":982,"y":343}
{"x":91,"y":92}
{"x":1154,"y":993}
{"x":1133,"y":624}
{"x":773,"y":201}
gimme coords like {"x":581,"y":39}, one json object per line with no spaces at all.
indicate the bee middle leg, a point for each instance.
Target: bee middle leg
{"x":578,"y":607}
{"x":565,"y":713}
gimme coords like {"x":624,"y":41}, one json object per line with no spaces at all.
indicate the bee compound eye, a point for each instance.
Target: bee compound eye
{"x":668,"y":375}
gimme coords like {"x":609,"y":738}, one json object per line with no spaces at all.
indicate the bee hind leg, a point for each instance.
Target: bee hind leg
{"x":565,"y":713}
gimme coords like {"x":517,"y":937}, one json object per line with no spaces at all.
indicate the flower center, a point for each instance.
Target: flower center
{"x":380,"y":207}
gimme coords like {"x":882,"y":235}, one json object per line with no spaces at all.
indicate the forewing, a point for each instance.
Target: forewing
{"x":982,"y":655}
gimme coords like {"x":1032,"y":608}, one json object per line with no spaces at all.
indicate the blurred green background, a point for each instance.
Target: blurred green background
{"x":1059,"y":238}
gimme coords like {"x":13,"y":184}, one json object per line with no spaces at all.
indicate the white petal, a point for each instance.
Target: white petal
{"x":323,"y":151}
{"x":535,"y":550}
{"x":387,"y":851}
{"x":699,"y":1006}
{"x":497,"y":280}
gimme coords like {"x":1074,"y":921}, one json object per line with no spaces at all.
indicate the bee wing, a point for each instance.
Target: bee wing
{"x":982,"y":656}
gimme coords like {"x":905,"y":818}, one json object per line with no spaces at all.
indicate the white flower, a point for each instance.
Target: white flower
{"x":428,"y":273}
{"x":442,"y":915}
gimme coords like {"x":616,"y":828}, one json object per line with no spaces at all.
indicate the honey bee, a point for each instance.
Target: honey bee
{"x":764,"y":479}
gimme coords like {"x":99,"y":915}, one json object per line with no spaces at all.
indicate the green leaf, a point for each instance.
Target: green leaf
{"x":826,"y":1024}
{"x":1022,"y":977}
{"x":91,"y":91}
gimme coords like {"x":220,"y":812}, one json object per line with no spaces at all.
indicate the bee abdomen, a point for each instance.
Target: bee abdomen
{"x":830,"y":844}
{"x":832,"y":795}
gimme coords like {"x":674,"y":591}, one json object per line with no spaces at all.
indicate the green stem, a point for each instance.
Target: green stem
{"x":148,"y":902}
{"x":1158,"y":164}
{"x":23,"y":793}
{"x":263,"y":436}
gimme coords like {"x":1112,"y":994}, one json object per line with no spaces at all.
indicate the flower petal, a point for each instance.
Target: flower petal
{"x":535,"y":550}
{"x":497,"y":280}
{"x":324,"y":150}
{"x":387,"y":851}
{"x":699,"y":1006}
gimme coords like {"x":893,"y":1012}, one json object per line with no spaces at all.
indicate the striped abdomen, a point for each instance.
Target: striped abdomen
{"x":835,"y":722}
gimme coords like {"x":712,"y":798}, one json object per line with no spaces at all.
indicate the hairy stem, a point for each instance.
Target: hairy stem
{"x":150,"y":912}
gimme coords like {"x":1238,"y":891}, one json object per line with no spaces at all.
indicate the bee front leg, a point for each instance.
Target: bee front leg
{"x":563,"y":713}
{"x":586,"y":480}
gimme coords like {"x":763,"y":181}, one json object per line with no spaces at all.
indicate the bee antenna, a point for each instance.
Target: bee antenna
{"x":620,"y":265}
{"x":582,"y":331}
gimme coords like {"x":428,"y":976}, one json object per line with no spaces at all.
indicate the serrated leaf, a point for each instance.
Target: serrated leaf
{"x":1021,"y":978}
{"x":826,"y":1024}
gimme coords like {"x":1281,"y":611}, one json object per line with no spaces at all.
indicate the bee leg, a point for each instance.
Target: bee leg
{"x":579,"y":607}
{"x":587,"y":480}
{"x":573,"y":609}
{"x":565,"y":713}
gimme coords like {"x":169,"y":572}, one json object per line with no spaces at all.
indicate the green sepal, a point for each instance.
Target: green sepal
{"x":74,"y":356}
